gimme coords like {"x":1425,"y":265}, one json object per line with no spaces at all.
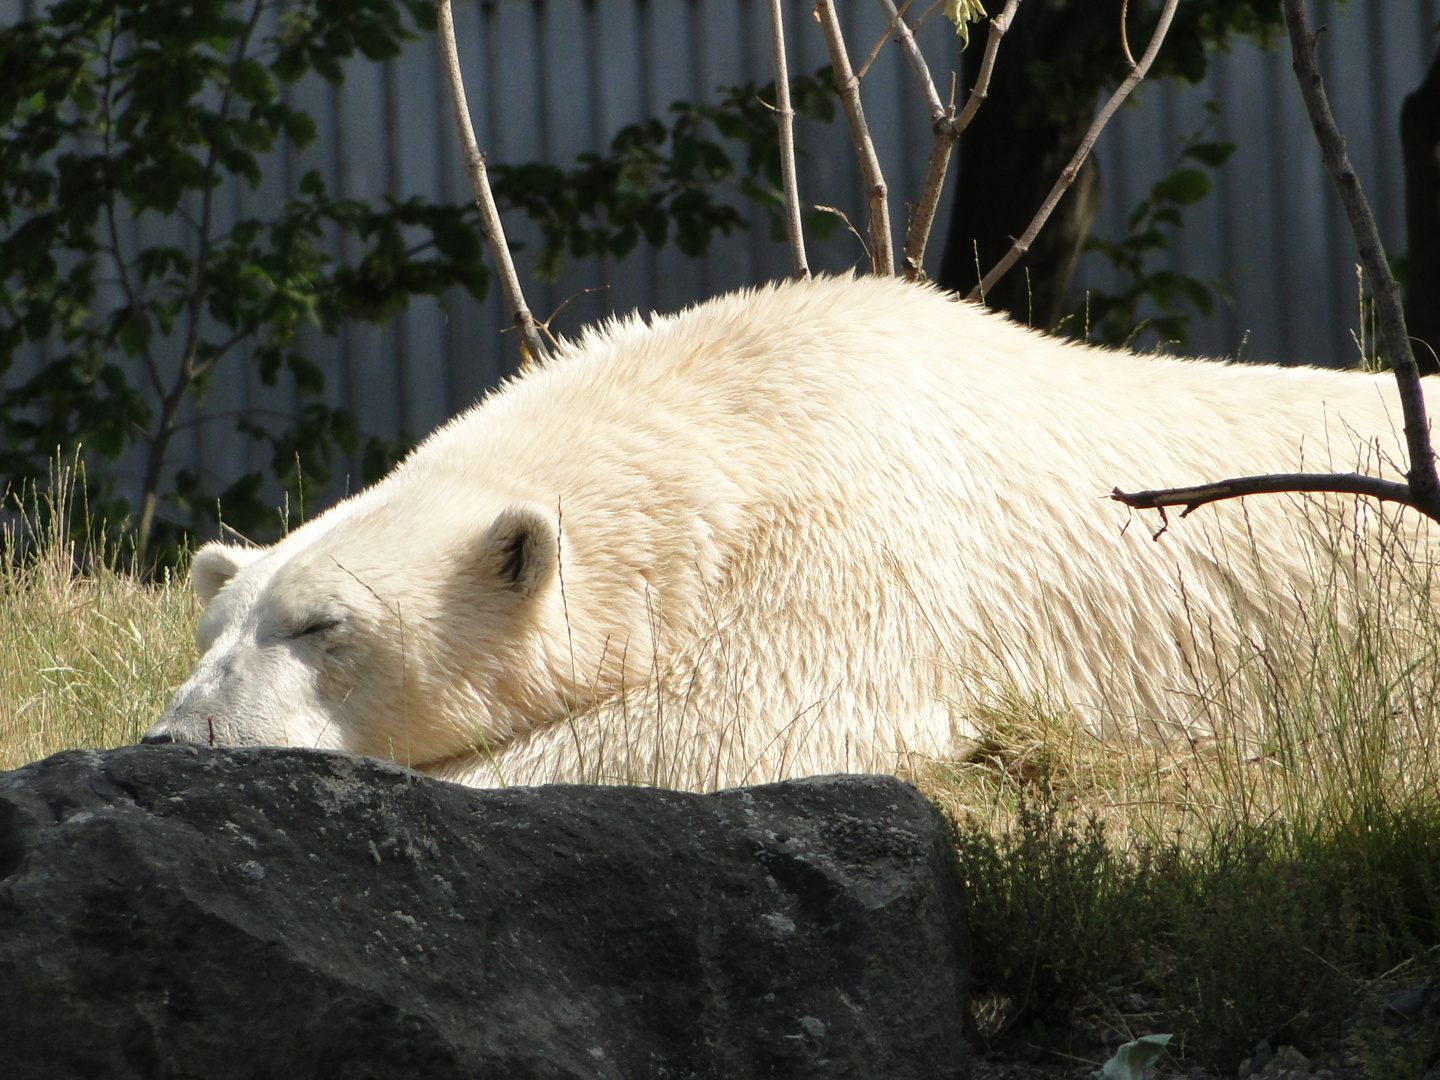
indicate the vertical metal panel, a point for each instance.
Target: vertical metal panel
{"x":1273,"y":233}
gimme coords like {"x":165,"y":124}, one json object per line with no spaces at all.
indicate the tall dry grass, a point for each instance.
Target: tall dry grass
{"x":88,"y":653}
{"x":1330,"y":720}
{"x":1336,"y":719}
{"x":1259,"y":882}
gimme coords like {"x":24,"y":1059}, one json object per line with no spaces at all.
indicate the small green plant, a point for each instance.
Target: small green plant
{"x":1049,"y":909}
{"x":1270,"y":931}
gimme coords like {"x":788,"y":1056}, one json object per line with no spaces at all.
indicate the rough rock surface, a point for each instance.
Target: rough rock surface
{"x":187,"y":912}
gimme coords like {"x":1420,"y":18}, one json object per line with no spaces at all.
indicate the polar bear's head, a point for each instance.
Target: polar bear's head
{"x":376,"y":634}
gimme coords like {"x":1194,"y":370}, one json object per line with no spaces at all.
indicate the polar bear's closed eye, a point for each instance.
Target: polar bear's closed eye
{"x":315,"y":625}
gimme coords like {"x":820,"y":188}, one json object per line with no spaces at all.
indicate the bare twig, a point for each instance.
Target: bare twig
{"x":913,"y":56}
{"x":1423,"y":484}
{"x":1022,"y":245}
{"x":882,"y":254}
{"x":785,"y":118}
{"x":534,"y":349}
{"x":895,"y":18}
{"x":944,"y":123}
{"x":1340,"y":483}
{"x":998,"y":25}
{"x":926,"y":14}
{"x":1125,"y":34}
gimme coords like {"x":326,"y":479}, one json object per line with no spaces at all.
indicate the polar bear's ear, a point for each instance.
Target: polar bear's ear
{"x":215,"y":564}
{"x":519,"y":550}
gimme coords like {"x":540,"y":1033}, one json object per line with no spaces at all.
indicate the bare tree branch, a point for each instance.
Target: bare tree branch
{"x":1125,"y":34}
{"x":882,"y":252}
{"x":1340,"y":483}
{"x":1022,"y":245}
{"x":981,"y":90}
{"x":785,"y":118}
{"x":914,"y":57}
{"x":533,"y":349}
{"x":1421,"y":492}
{"x":943,"y":122}
{"x":890,"y":28}
{"x":1423,"y":484}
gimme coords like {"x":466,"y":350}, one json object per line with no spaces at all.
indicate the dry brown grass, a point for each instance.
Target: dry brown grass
{"x":1337,"y":715}
{"x":1349,"y":710}
{"x":88,"y":654}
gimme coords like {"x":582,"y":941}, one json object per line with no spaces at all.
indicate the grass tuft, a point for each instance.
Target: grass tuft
{"x":1272,"y":932}
{"x":88,"y":654}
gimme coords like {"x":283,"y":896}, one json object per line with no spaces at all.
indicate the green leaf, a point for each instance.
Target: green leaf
{"x":1213,"y":154}
{"x":1198,"y":295}
{"x":313,"y":184}
{"x":308,"y":377}
{"x":131,"y":328}
{"x":962,"y":13}
{"x":268,"y":360}
{"x":1131,"y":1059}
{"x":1183,"y":187}
{"x":252,"y":82}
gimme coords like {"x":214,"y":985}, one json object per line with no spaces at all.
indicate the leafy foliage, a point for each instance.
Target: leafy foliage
{"x":1115,"y":317}
{"x":126,"y":118}
{"x":659,"y":174}
{"x":1087,"y":58}
{"x":118,"y":115}
{"x":1057,"y":60}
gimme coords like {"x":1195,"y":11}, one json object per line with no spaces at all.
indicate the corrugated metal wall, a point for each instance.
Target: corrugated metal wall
{"x":1273,"y":230}
{"x":549,"y":79}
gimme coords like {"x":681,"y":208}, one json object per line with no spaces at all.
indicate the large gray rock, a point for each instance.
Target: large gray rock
{"x":185,"y":912}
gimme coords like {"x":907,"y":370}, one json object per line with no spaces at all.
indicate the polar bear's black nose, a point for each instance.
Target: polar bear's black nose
{"x":157,"y":739}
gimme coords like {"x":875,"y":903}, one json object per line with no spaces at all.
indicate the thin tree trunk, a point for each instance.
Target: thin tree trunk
{"x":785,"y":118}
{"x":1011,"y":156}
{"x":1068,"y":175}
{"x":1420,"y":145}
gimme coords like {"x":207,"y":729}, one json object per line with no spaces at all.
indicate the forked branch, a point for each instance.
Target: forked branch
{"x":1067,"y":177}
{"x":944,"y":123}
{"x":1372,"y":256}
{"x":882,"y":251}
{"x":533,"y":349}
{"x":1421,"y":492}
{"x":1340,"y":483}
{"x":785,"y":117}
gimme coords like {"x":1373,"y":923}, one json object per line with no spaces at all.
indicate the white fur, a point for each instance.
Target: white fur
{"x":805,"y":528}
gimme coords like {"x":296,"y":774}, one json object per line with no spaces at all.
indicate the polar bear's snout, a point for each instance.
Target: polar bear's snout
{"x":249,"y":693}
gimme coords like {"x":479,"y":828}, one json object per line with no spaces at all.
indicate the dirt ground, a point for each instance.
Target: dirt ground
{"x":1394,"y":1034}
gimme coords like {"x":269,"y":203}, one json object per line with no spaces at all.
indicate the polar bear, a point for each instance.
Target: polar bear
{"x":818,"y":526}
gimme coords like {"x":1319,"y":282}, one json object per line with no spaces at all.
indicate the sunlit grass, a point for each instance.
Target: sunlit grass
{"x":1336,"y":713}
{"x":1256,"y":880}
{"x":1340,"y":715}
{"x":88,"y":654}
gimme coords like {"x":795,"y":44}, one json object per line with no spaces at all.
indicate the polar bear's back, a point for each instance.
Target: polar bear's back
{"x":808,"y":379}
